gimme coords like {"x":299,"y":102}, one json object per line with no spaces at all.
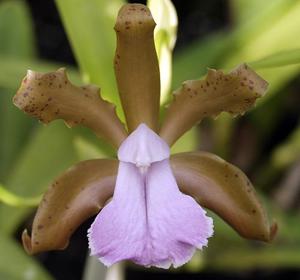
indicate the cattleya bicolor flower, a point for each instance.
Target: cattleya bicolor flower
{"x":154,"y":217}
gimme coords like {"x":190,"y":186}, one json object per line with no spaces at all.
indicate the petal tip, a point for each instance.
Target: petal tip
{"x":30,"y":73}
{"x":273,"y":231}
{"x":134,"y":16}
{"x":26,"y":240}
{"x":259,"y":85}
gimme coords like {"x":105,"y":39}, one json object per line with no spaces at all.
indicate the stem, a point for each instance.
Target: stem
{"x":95,"y":270}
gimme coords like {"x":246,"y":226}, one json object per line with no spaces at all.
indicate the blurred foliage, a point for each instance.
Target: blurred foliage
{"x":283,"y":58}
{"x":287,"y":152}
{"x":16,"y":33}
{"x":13,"y":200}
{"x":15,"y":263}
{"x":262,"y":33}
{"x":165,"y":35}
{"x":93,"y":41}
{"x":17,"y":39}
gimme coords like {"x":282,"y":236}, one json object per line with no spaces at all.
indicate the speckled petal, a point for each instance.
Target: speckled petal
{"x":177,"y":225}
{"x":224,"y":189}
{"x":51,"y":96}
{"x":235,"y":93}
{"x":136,"y":66}
{"x":119,"y":230}
{"x":76,"y":195}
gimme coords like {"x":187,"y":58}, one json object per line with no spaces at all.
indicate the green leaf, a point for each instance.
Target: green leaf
{"x":15,"y":130}
{"x":264,"y":17}
{"x":17,"y":201}
{"x":192,"y":62}
{"x":188,"y":142}
{"x":13,"y":70}
{"x":16,"y":29}
{"x":244,"y":11}
{"x":272,"y":30}
{"x":223,"y":129}
{"x":165,"y":34}
{"x":221,"y":49}
{"x":227,"y":251}
{"x":16,"y":36}
{"x":16,"y":265}
{"x":284,"y":58}
{"x":49,"y":152}
{"x":15,"y":127}
{"x":87,"y":150}
{"x":89,"y":25}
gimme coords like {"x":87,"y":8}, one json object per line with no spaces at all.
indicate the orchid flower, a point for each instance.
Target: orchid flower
{"x":154,"y":217}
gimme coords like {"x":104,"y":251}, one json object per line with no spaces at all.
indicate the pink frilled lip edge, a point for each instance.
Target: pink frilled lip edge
{"x":148,"y":221}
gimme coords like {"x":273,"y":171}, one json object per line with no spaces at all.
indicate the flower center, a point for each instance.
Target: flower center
{"x":143,"y":147}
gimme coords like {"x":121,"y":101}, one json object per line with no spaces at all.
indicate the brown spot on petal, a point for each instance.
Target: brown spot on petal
{"x":137,"y":73}
{"x":183,"y":112}
{"x":201,"y":175}
{"x":40,"y":227}
{"x":83,"y":190}
{"x":52,"y":101}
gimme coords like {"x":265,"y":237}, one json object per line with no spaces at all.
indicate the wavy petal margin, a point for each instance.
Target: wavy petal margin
{"x":51,"y":96}
{"x":120,"y":229}
{"x":234,"y":93}
{"x":177,"y":224}
{"x":76,"y":195}
{"x":224,"y":189}
{"x":149,"y":221}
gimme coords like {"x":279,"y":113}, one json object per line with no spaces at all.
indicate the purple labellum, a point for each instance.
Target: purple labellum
{"x":149,"y":221}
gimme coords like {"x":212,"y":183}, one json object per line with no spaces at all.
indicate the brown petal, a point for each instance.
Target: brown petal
{"x":51,"y":96}
{"x":224,"y":189}
{"x":76,"y":195}
{"x":234,"y":93}
{"x":136,"y":66}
